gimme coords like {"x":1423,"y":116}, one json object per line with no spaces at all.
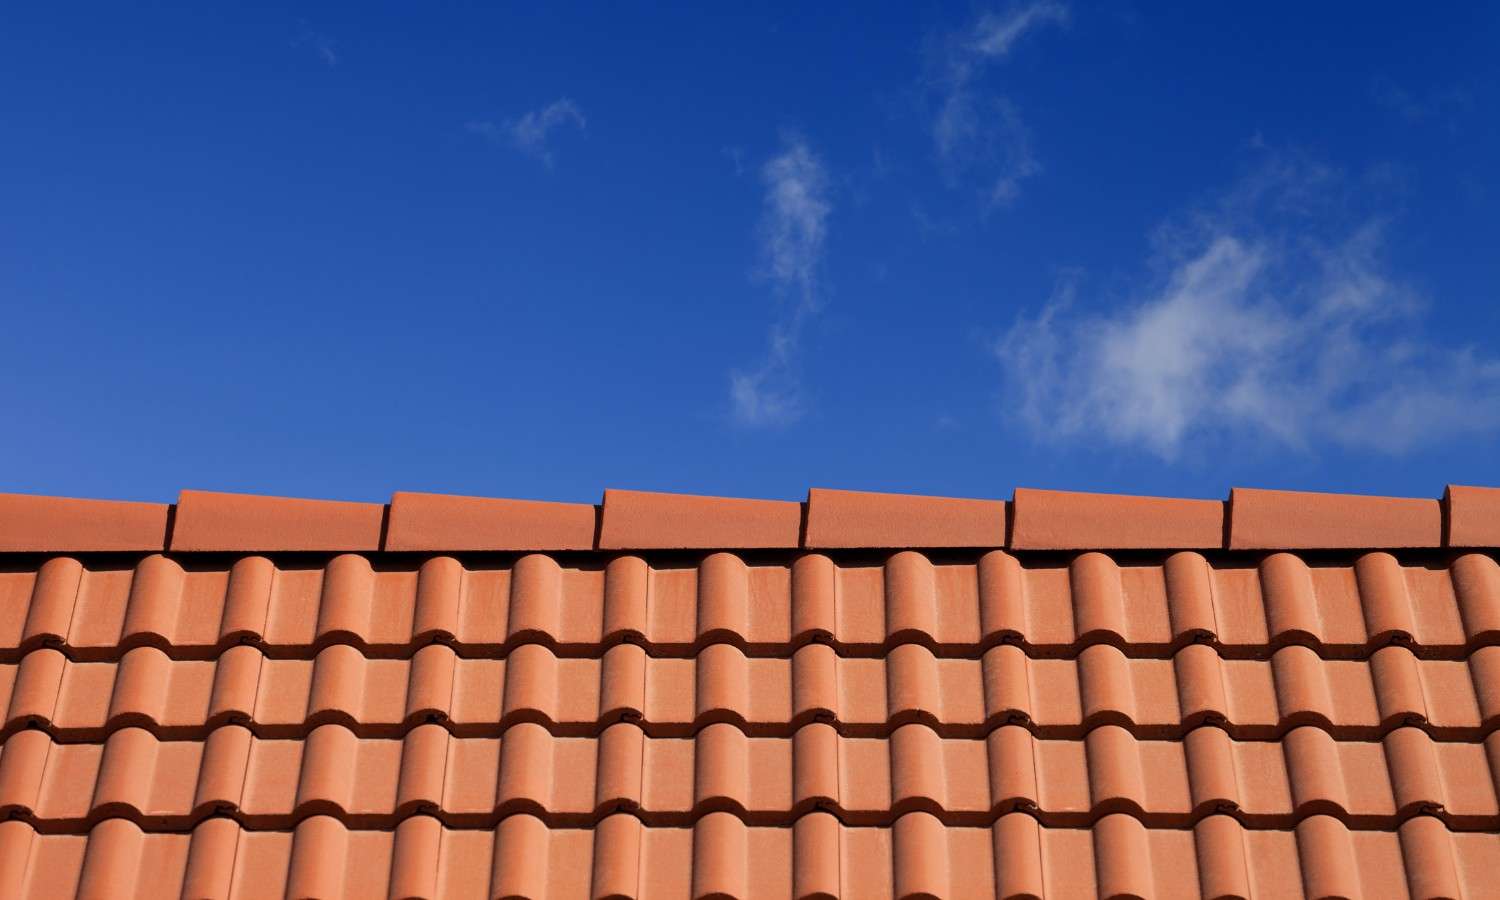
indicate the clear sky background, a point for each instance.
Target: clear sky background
{"x":336,"y":250}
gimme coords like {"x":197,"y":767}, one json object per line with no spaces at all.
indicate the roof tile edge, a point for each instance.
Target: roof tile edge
{"x":1471,"y":516}
{"x":1302,"y":520}
{"x":857,"y":519}
{"x":1251,"y":520}
{"x":644,"y":520}
{"x":1068,"y":520}
{"x":31,"y":523}
{"x":213,"y":521}
{"x":449,"y":522}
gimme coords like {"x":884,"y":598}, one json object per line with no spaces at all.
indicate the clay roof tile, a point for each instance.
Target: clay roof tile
{"x":487,"y":703}
{"x":208,"y":520}
{"x":1064,"y":520}
{"x":64,"y":525}
{"x":440,"y":522}
{"x":851,"y":519}
{"x":1300,"y":520}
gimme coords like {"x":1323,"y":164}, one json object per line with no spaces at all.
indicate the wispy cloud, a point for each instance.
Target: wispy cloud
{"x":1254,"y":330}
{"x":985,"y":133}
{"x":793,"y":229}
{"x":979,"y":135}
{"x":1446,"y":106}
{"x":319,"y":43}
{"x":529,"y":133}
{"x":995,"y":35}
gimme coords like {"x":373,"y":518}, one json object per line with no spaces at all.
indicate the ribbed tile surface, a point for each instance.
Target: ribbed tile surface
{"x":721,"y":855}
{"x":776,"y":723}
{"x":958,"y":607}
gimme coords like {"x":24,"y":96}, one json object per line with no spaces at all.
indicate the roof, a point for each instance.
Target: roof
{"x":859,"y":695}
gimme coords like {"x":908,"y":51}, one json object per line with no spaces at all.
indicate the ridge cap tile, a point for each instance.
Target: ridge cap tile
{"x":1263,"y":519}
{"x":1038,"y":519}
{"x":1473,"y":516}
{"x":843,"y":519}
{"x":1076,"y":520}
{"x":39,"y":523}
{"x":651,"y":520}
{"x":455,"y":522}
{"x":219,"y":521}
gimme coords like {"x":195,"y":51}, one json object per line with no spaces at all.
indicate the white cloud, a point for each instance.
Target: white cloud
{"x":530,"y":132}
{"x":974,"y":133}
{"x":995,"y":35}
{"x":979,"y":135}
{"x":771,"y":394}
{"x":794,"y":225}
{"x":793,"y":229}
{"x":1253,"y":332}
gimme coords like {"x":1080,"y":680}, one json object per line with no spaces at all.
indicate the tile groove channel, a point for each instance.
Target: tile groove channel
{"x":958,"y":610}
{"x":769,"y":781}
{"x":1071,"y":821}
{"x":860,"y":697}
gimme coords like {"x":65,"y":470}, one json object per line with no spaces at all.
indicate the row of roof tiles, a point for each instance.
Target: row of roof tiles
{"x":273,"y":783}
{"x":721,"y":856}
{"x":1055,"y":698}
{"x":633,"y":520}
{"x":956,"y":606}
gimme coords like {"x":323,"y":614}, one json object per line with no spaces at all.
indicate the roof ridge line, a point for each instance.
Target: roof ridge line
{"x":1252,"y":519}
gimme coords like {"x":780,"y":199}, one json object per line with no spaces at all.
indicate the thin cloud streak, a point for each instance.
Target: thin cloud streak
{"x":792,"y":232}
{"x":994,"y":36}
{"x":529,"y":133}
{"x":979,"y":135}
{"x":1254,"y":332}
{"x":1446,"y":107}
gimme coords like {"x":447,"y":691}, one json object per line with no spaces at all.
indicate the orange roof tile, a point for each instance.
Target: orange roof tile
{"x":1064,"y":520}
{"x":1298,"y":520}
{"x":54,"y":524}
{"x":640,"y":520}
{"x":207,"y":520}
{"x":1473,"y":516}
{"x":859,"y":519}
{"x":1113,"y":701}
{"x":448,"y":523}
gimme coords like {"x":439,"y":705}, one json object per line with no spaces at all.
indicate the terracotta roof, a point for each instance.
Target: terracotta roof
{"x":862,"y":695}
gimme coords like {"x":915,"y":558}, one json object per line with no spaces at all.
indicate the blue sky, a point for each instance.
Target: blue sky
{"x":334,"y":251}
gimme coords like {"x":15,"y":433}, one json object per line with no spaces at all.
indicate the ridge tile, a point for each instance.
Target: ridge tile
{"x":1066,"y":520}
{"x":1302,"y":520}
{"x":30,"y":523}
{"x":209,"y":521}
{"x":450,"y":523}
{"x":858,"y":519}
{"x":643,"y":520}
{"x":1473,"y":516}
